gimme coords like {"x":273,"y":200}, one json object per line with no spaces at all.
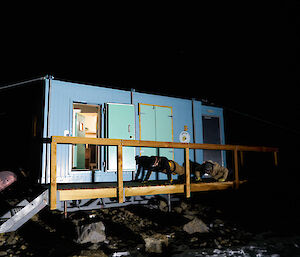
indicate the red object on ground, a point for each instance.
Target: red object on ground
{"x":6,"y":179}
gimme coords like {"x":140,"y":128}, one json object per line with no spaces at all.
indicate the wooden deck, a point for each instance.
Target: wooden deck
{"x":103,"y":190}
{"x":121,"y":189}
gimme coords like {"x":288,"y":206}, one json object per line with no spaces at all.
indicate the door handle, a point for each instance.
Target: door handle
{"x":129,"y":128}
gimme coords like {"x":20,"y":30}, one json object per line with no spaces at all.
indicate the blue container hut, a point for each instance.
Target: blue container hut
{"x":73,"y":109}
{"x":45,"y":107}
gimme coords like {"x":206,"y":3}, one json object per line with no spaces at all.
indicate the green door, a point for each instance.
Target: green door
{"x":164,"y":129}
{"x":120,"y":124}
{"x":156,"y":124}
{"x":147,"y":128}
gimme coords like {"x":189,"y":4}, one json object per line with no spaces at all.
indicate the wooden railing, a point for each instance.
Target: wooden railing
{"x":119,"y":143}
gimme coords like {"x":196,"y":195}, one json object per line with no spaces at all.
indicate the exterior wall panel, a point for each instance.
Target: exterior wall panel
{"x":64,"y":94}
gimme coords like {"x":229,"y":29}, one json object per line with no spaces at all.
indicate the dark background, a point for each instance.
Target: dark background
{"x":239,"y":56}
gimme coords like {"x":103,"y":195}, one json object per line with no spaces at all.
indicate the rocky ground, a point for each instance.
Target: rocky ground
{"x":192,"y":228}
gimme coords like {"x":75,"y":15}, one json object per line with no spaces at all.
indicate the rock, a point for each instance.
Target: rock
{"x":219,"y":222}
{"x":184,"y":206}
{"x":190,"y":217}
{"x":204,"y":244}
{"x":222,"y":232}
{"x":182,"y":248}
{"x":171,"y":235}
{"x":224,"y":242}
{"x":105,"y":211}
{"x":2,"y":239}
{"x":198,"y":206}
{"x":194,"y":239}
{"x":23,"y":247}
{"x":217,"y":243}
{"x":3,"y":253}
{"x":91,"y":233}
{"x":155,"y":243}
{"x":119,"y":254}
{"x":217,"y":251}
{"x":93,"y":247}
{"x":189,"y":212}
{"x":87,"y":253}
{"x":163,"y":206}
{"x":178,"y":209}
{"x":194,"y":226}
{"x":35,"y":218}
{"x":218,"y":211}
{"x":12,"y":239}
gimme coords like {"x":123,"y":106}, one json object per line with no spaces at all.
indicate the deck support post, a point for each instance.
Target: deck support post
{"x":169,"y":203}
{"x":53,"y":183}
{"x":236,"y":169}
{"x":65,"y":209}
{"x":187,"y":173}
{"x":120,"y":174}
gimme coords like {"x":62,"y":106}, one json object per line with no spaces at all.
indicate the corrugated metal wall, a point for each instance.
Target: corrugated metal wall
{"x":64,"y":94}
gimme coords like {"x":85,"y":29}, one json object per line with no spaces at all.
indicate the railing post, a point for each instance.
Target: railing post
{"x":120,"y":174}
{"x":276,"y":158}
{"x":236,"y":169}
{"x":242,"y":158}
{"x":53,"y":184}
{"x":187,"y":173}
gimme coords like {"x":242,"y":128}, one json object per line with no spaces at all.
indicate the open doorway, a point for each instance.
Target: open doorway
{"x":86,"y":123}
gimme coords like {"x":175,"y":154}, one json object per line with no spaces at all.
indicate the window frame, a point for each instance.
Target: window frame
{"x":98,"y":135}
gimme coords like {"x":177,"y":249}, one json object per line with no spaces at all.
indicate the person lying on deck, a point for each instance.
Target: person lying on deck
{"x":157,"y":164}
{"x":213,"y":169}
{"x":208,"y":170}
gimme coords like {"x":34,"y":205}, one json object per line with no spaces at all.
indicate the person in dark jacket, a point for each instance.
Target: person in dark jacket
{"x":158,"y":164}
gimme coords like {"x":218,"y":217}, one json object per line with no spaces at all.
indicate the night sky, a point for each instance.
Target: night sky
{"x":242,"y":57}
